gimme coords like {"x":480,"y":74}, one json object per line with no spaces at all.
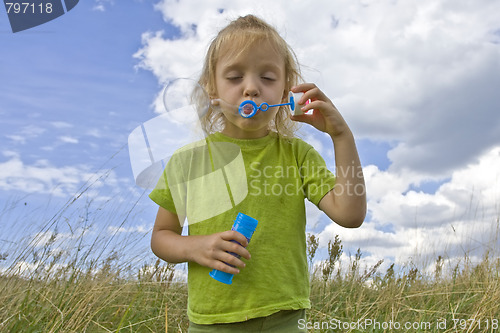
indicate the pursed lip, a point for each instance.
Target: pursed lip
{"x":249,"y":110}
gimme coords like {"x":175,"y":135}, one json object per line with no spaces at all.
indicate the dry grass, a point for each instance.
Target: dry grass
{"x":467,"y":300}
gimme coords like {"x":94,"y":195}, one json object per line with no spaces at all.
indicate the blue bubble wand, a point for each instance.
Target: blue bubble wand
{"x":249,"y":108}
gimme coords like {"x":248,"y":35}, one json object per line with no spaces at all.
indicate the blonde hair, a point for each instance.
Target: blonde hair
{"x":241,"y":34}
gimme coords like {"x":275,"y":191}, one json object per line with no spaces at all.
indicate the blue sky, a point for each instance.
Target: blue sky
{"x":417,"y":81}
{"x":70,"y":91}
{"x":76,"y":74}
{"x":70,"y":95}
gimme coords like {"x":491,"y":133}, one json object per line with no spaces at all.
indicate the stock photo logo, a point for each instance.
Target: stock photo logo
{"x":26,"y":14}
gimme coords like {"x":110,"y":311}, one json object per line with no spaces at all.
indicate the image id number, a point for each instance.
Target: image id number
{"x":476,"y":323}
{"x":28,"y":8}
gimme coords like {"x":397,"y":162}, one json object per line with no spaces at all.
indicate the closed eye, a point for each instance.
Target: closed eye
{"x":268,"y":75}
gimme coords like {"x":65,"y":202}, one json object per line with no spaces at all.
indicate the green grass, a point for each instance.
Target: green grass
{"x":82,"y":283}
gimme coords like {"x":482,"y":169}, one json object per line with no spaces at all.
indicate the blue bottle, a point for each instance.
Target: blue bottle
{"x":245,"y":225}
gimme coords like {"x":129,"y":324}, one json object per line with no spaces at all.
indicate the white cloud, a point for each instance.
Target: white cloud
{"x":41,"y":177}
{"x":102,"y":5}
{"x":61,"y":124}
{"x":141,"y":229}
{"x":461,"y":217}
{"x":96,"y":133}
{"x":26,"y":133}
{"x":16,"y":138}
{"x":68,"y":139}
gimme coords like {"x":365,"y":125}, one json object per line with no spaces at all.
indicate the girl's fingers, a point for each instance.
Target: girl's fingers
{"x":303,"y":118}
{"x":236,"y":236}
{"x":223,"y":267}
{"x":311,"y":92}
{"x":303,"y":87}
{"x":235,"y":242}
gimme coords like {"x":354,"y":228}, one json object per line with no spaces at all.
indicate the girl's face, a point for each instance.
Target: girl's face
{"x":257,"y":75}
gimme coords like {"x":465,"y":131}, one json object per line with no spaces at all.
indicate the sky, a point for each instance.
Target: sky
{"x":417,"y":82}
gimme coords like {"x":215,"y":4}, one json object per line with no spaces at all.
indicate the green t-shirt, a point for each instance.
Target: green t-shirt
{"x":279,"y":174}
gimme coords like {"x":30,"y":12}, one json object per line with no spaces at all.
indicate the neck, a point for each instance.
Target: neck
{"x":240,"y":134}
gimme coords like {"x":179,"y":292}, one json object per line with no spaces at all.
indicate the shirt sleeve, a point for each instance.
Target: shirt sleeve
{"x":162,"y":195}
{"x":317,"y":180}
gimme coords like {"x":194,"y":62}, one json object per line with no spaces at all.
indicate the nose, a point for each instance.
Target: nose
{"x":251,"y":88}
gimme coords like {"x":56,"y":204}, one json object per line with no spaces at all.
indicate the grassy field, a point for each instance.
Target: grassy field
{"x":98,"y":299}
{"x":68,"y":284}
{"x":467,"y":300}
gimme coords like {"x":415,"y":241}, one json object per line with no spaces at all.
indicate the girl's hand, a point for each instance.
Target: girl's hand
{"x":212,"y":251}
{"x":325,"y":116}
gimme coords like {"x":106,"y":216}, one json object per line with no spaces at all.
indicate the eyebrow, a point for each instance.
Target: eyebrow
{"x":269,"y":66}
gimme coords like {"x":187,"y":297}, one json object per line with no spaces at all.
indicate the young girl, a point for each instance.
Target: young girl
{"x":248,"y":60}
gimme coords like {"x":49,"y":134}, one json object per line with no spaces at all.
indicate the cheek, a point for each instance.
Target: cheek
{"x":224,"y":89}
{"x":217,"y":88}
{"x":271,"y":114}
